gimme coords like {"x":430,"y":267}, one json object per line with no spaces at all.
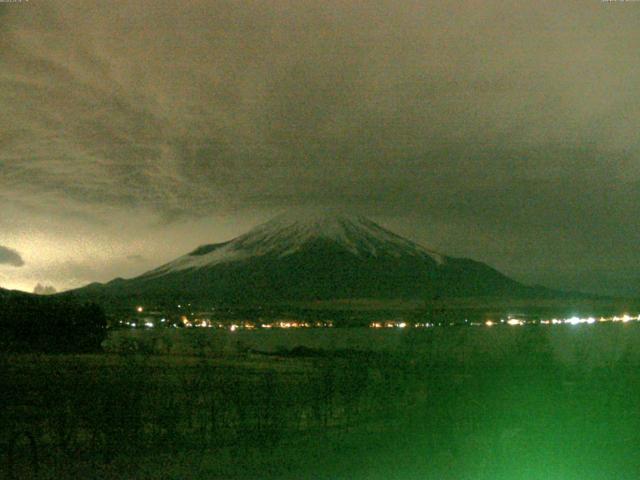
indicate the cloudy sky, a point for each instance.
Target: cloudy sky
{"x":505,"y":131}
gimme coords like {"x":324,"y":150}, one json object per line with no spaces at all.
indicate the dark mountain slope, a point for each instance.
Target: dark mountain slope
{"x":312,"y":257}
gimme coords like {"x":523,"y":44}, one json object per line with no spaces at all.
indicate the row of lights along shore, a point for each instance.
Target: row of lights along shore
{"x":511,"y":320}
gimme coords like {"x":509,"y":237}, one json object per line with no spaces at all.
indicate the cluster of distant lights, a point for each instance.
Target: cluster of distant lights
{"x":196,"y":323}
{"x":205,"y":323}
{"x":399,"y":324}
{"x":513,"y":322}
{"x":187,"y":322}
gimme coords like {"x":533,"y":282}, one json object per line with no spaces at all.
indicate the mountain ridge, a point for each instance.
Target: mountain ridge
{"x":312,"y":257}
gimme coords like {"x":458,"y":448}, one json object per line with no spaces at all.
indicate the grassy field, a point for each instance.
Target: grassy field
{"x":319,"y":414}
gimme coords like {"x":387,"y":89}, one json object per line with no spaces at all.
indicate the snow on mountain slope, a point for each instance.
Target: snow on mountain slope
{"x":291,"y":232}
{"x":307,"y":257}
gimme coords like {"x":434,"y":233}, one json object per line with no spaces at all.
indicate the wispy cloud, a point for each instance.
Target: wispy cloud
{"x":425,"y":109}
{"x":223,"y":105}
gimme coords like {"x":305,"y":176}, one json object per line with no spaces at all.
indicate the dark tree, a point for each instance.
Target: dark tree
{"x":29,"y":323}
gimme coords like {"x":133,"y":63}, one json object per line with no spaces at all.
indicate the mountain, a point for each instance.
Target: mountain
{"x":303,"y":256}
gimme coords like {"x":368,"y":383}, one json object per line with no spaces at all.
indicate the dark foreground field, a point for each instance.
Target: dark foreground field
{"x":311,"y":414}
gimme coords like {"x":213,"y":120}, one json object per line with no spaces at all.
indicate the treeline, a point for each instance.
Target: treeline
{"x":43,"y":324}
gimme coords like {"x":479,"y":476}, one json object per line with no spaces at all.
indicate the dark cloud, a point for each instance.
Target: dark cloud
{"x":500,"y":130}
{"x":8,"y":256}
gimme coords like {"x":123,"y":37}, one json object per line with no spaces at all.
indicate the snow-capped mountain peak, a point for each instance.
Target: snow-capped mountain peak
{"x":309,"y":256}
{"x":292,"y":232}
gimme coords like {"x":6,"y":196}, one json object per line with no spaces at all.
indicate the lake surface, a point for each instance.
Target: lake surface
{"x":590,"y":345}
